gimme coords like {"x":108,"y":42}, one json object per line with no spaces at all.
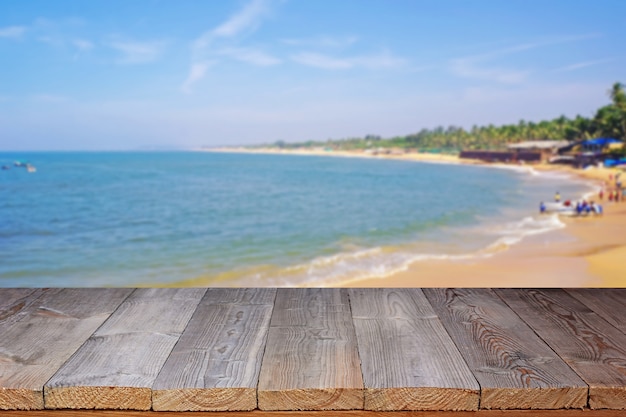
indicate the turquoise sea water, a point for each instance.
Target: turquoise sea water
{"x":126,"y":219}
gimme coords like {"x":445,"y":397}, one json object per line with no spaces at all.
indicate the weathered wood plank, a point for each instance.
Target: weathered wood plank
{"x":216,"y":363}
{"x":515,"y":368}
{"x":118,"y":364}
{"x":345,"y":413}
{"x":408,"y":360}
{"x":40,"y":332}
{"x":311,"y":360}
{"x":14,"y":301}
{"x":609,"y":303}
{"x":12,"y":296}
{"x":590,"y":345}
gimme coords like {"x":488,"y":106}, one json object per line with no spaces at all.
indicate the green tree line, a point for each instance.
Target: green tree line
{"x":609,"y":121}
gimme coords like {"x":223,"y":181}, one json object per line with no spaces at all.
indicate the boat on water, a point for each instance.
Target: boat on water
{"x":564,"y":209}
{"x":571,"y":208}
{"x":23,"y":164}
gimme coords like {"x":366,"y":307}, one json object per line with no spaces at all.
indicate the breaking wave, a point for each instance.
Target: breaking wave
{"x":380,"y":262}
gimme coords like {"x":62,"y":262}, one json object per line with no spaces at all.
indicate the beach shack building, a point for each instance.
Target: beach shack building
{"x":590,"y":151}
{"x":537,"y":150}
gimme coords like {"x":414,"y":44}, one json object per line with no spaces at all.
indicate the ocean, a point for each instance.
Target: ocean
{"x":220,"y":219}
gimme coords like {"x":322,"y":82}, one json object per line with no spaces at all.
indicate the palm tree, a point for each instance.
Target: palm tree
{"x":618,"y":96}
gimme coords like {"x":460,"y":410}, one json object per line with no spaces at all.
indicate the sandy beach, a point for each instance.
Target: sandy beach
{"x":588,"y":252}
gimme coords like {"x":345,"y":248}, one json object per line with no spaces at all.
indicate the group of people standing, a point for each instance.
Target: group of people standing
{"x":611,"y":195}
{"x":614,"y":192}
{"x":584,"y":207}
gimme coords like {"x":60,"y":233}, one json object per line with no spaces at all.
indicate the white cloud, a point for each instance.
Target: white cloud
{"x":251,"y":56}
{"x":323,"y":41}
{"x":318,"y":60}
{"x":246,"y":19}
{"x":12,"y":32}
{"x":381,"y":61}
{"x":468,"y":68}
{"x":580,"y":65}
{"x":137,"y":52}
{"x":196,"y":73}
{"x":532,"y":45}
{"x":83,"y":45}
{"x":480,"y":66}
{"x":313,"y":59}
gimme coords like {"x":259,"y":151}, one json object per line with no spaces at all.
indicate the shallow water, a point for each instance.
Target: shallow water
{"x":125,"y":219}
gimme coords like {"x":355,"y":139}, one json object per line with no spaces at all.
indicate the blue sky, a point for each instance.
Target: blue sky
{"x":116,"y":75}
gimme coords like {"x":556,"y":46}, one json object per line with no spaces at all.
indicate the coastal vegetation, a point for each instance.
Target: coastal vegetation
{"x":608,"y":121}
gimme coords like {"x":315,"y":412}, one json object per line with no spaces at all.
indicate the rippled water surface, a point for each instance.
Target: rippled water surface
{"x":118,"y":219}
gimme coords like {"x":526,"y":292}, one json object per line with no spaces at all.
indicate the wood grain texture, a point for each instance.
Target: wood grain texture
{"x":590,"y":345}
{"x":40,"y":331}
{"x":216,"y":363}
{"x":515,"y":368}
{"x":118,"y":364}
{"x":311,"y":360}
{"x":14,"y":300}
{"x":408,"y":360}
{"x":609,"y":303}
{"x":346,"y":413}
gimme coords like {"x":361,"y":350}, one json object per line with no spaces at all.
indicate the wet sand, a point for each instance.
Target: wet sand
{"x":589,"y":252}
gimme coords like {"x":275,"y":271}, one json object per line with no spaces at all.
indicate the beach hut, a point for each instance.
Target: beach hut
{"x":591,"y":151}
{"x":545,"y":148}
{"x":597,"y":145}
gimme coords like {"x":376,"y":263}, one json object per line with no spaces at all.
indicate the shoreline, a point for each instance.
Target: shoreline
{"x":588,"y":252}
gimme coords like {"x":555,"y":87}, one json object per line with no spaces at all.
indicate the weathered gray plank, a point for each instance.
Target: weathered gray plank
{"x":609,"y":303}
{"x":216,"y":363}
{"x":117,"y":366}
{"x":14,"y":302}
{"x":590,"y":345}
{"x":326,"y":413}
{"x":515,"y":368}
{"x":408,"y":360}
{"x":41,"y":333}
{"x":11,"y":296}
{"x":311,"y":360}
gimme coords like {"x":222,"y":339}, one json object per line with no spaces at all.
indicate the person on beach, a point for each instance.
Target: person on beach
{"x":597,"y":208}
{"x":542,"y":207}
{"x":579,"y":208}
{"x":557,"y":197}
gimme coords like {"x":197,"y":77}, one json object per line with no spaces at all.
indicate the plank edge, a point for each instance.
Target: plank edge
{"x":21,"y":399}
{"x":204,"y":399}
{"x":98,"y":398}
{"x":311,"y":399}
{"x":421,"y":399}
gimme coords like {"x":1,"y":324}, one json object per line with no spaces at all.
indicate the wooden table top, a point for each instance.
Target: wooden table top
{"x":272,"y":350}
